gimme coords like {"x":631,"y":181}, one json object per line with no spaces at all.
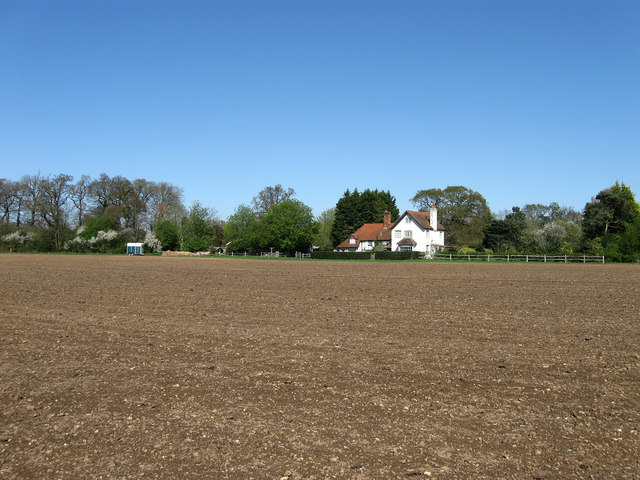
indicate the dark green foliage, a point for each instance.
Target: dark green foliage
{"x":197,"y":229}
{"x":286,"y":227}
{"x":610,"y":212}
{"x":629,"y":242}
{"x":325,"y":255}
{"x":624,"y":247}
{"x":244,"y":231}
{"x":355,"y":209}
{"x":388,"y":255}
{"x":168,"y":233}
{"x":93,"y":225}
{"x":325,"y":220}
{"x":611,"y":224}
{"x":385,"y":255}
{"x":505,"y":235}
{"x":289,"y":227}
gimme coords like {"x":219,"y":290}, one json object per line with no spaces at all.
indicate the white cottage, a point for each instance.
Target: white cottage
{"x":418,"y":231}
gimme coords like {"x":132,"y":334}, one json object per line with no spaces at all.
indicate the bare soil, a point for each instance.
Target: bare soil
{"x":191,"y":368}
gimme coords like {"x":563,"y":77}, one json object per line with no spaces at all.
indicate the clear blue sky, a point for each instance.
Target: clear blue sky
{"x":523,"y":101}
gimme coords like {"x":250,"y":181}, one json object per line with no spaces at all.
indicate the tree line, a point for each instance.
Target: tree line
{"x":608,"y":225}
{"x":58,"y":213}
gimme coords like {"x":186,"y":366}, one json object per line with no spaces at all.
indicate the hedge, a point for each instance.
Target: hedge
{"x":384,"y":255}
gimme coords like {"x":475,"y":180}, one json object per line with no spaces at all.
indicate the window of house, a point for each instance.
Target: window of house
{"x":352,"y":241}
{"x":408,"y":234}
{"x":407,"y":219}
{"x":398,"y":234}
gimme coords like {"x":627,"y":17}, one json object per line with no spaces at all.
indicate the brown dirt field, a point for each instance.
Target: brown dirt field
{"x":191,"y":368}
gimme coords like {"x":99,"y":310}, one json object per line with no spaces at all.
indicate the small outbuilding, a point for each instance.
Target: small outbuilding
{"x":135,"y":249}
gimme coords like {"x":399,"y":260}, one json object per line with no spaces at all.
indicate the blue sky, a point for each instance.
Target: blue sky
{"x":523,"y":101}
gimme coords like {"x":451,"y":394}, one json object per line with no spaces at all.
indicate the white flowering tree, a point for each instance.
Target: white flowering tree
{"x":18,"y":241}
{"x":152,"y":242}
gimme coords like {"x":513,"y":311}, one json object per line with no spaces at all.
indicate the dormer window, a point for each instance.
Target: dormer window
{"x":352,"y":241}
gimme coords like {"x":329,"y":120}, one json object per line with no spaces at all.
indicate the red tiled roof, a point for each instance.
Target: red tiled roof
{"x":369,"y":232}
{"x":347,"y":244}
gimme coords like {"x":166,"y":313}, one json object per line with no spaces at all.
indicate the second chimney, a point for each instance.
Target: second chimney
{"x":433,"y":218}
{"x":387,"y":219}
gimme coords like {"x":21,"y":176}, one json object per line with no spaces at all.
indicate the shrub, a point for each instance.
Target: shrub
{"x":152,"y":242}
{"x":385,"y":255}
{"x":18,"y":241}
{"x":341,"y":255}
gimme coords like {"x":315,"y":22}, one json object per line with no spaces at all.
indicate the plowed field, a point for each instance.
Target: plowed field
{"x":191,"y":368}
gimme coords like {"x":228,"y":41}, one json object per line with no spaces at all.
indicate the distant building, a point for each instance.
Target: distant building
{"x":368,"y":236}
{"x":418,"y":231}
{"x":413,"y":232}
{"x":135,"y":248}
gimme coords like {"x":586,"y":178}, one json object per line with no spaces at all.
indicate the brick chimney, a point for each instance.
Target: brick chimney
{"x":433,"y":217}
{"x":387,"y":220}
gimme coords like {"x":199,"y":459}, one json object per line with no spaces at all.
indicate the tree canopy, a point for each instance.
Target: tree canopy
{"x":286,"y":227}
{"x":289,"y":227}
{"x":54,"y":213}
{"x":355,"y":209}
{"x":463,"y":212}
{"x":269,"y":197}
{"x":504,"y":235}
{"x":610,"y":212}
{"x":611,"y":224}
{"x":325,"y":223}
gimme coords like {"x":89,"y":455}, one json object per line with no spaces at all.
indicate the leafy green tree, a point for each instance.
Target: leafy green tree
{"x":505,"y":235}
{"x":610,"y":224}
{"x":244,"y":231}
{"x":610,"y":212}
{"x":93,"y":225}
{"x":290,"y":226}
{"x":355,"y":209}
{"x":322,"y":240}
{"x":629,"y":242}
{"x":197,"y":228}
{"x":168,"y":232}
{"x":462,"y":211}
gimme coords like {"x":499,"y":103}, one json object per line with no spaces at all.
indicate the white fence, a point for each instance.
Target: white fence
{"x":523,"y":258}
{"x":271,"y":255}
